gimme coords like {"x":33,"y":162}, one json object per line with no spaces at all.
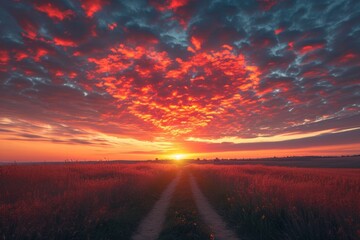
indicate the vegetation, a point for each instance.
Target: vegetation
{"x":78,"y":201}
{"x":108,"y":201}
{"x":183,"y":221}
{"x":285,"y":203}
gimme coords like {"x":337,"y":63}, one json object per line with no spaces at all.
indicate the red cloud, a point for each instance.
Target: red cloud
{"x":310,"y":47}
{"x":190,"y":87}
{"x":64,"y":42}
{"x":92,"y":6}
{"x":169,"y":4}
{"x":278,"y":31}
{"x":4,"y":57}
{"x":196,"y":42}
{"x":179,"y":7}
{"x":54,"y":12}
{"x":59,"y":74}
{"x":112,"y":26}
{"x":173,"y":4}
{"x":291,"y":45}
{"x":20,"y":56}
{"x":30,"y":29}
{"x":348,"y":57}
{"x":40,"y":52}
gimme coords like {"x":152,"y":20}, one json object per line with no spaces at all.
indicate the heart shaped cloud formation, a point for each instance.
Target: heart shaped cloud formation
{"x":176,"y":95}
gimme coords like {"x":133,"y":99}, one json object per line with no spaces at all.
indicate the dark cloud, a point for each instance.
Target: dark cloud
{"x":327,"y":140}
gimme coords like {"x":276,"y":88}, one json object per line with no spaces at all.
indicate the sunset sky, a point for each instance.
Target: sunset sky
{"x":102,"y":79}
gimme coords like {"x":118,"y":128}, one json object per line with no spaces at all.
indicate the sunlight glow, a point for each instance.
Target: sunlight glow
{"x":178,"y":157}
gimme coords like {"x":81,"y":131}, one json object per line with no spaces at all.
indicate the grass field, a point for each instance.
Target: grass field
{"x":183,"y":221}
{"x":109,"y":201}
{"x":78,"y":201}
{"x":285,"y":203}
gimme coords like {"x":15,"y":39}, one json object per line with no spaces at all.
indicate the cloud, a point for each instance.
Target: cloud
{"x":178,"y":69}
{"x":92,"y":7}
{"x":327,"y":139}
{"x":53,"y":11}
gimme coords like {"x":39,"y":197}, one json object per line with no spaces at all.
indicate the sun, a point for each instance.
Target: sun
{"x":178,"y":156}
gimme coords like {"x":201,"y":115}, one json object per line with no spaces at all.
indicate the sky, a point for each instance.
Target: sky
{"x":105,"y":80}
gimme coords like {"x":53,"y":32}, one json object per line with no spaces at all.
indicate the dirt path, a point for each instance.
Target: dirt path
{"x":209,"y":215}
{"x":152,"y":224}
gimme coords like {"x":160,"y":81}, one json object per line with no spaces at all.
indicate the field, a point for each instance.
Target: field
{"x":285,"y":203}
{"x":111,"y":201}
{"x":78,"y":201}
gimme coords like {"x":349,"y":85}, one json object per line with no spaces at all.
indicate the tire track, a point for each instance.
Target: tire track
{"x":209,"y":215}
{"x":151,"y":226}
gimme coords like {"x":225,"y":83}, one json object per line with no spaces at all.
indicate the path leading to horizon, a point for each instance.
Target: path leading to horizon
{"x":152,"y":224}
{"x":209,"y":215}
